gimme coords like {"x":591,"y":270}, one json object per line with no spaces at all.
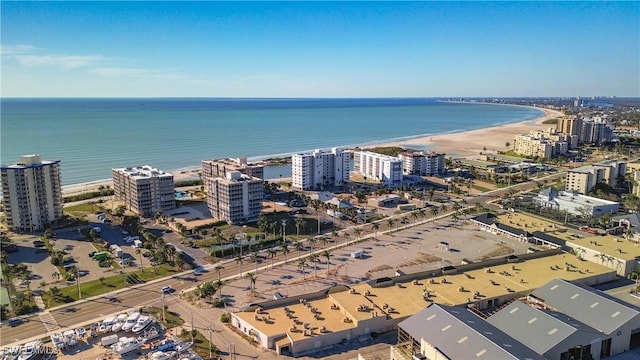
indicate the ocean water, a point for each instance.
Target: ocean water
{"x":91,"y":136}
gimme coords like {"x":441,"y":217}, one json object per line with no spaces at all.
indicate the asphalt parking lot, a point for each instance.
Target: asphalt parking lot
{"x":36,"y":259}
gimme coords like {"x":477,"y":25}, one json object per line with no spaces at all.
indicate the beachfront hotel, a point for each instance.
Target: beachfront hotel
{"x":236,"y":198}
{"x":387,"y":170}
{"x":220,"y":167}
{"x":421,"y":163}
{"x":144,"y":190}
{"x":320,"y":169}
{"x":31,"y":193}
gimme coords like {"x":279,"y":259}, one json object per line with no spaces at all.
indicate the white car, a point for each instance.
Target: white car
{"x":166,"y":289}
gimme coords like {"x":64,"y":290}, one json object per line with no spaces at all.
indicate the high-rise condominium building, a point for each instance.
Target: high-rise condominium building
{"x":383,"y":168}
{"x":320,"y":169}
{"x":422,"y":163}
{"x":220,"y":167}
{"x":144,"y":190}
{"x":31,"y":193}
{"x":584,"y":178}
{"x":236,"y":198}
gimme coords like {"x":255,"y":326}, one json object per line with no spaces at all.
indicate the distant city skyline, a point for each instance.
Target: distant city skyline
{"x":320,"y":49}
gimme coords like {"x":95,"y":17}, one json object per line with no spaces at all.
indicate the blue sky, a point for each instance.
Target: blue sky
{"x":320,"y":49}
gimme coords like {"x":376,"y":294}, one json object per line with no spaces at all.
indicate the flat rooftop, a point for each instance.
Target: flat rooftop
{"x":142,"y":172}
{"x":399,"y":301}
{"x":608,"y":244}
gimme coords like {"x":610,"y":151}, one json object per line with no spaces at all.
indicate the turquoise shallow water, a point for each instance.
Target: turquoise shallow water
{"x":91,"y":136}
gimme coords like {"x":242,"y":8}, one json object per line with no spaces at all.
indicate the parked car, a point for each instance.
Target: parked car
{"x":9,"y":248}
{"x":166,"y":289}
{"x":38,"y":243}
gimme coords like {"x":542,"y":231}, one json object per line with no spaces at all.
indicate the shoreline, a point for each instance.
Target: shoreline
{"x":463,"y":143}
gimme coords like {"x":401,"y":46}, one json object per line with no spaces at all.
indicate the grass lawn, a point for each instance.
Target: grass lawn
{"x":480,"y":188}
{"x":171,"y":318}
{"x":81,"y":209}
{"x":110,"y":283}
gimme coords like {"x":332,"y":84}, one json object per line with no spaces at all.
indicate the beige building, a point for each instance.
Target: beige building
{"x":31,"y":193}
{"x":422,"y":163}
{"x":220,"y":167}
{"x":236,"y":198}
{"x":544,"y":144}
{"x":144,"y":190}
{"x":584,"y":178}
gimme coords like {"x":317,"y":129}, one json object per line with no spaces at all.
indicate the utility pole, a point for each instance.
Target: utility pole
{"x":210,"y":342}
{"x":164,"y":319}
{"x":192,"y":328}
{"x":78,"y":284}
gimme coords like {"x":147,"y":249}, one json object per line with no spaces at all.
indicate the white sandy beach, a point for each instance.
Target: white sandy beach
{"x":470,"y":143}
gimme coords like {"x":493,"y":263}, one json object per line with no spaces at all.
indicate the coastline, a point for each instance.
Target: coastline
{"x":472,"y":142}
{"x":457,"y":144}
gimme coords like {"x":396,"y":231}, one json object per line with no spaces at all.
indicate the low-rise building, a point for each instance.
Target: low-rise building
{"x":305,"y":323}
{"x":236,"y":198}
{"x":576,"y":204}
{"x":144,"y":190}
{"x":378,"y":167}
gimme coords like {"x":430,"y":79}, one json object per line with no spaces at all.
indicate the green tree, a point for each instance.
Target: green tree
{"x":252,"y":280}
{"x":302,"y":263}
{"x":375,"y":226}
{"x":327,"y":255}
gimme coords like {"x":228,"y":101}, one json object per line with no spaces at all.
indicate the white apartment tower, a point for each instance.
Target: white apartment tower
{"x":320,"y":169}
{"x":383,"y":168}
{"x":31,"y":193}
{"x":144,"y":190}
{"x":236,"y":198}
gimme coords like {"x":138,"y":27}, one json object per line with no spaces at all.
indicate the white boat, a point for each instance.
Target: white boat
{"x":58,"y":340}
{"x":30,"y":350}
{"x":107,"y":324}
{"x":120,"y":320}
{"x":70,"y":338}
{"x":131,"y":321}
{"x":126,"y":345}
{"x":151,"y":333}
{"x":81,"y":332}
{"x":162,"y":355}
{"x":142,"y":323}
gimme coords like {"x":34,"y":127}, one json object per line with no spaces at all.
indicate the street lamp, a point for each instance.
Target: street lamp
{"x":284,"y":232}
{"x":210,"y":341}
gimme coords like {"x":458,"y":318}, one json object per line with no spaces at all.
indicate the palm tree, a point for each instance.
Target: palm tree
{"x":414,"y":215}
{"x":252,"y":279}
{"x":455,"y":218}
{"x":239,"y":260}
{"x":434,"y":211}
{"x":42,"y":285}
{"x":443,"y":208}
{"x":219,"y":284}
{"x":219,"y":269}
{"x":302,"y":263}
{"x":327,"y":255}
{"x":312,"y":241}
{"x":375,"y":226}
{"x":346,"y":235}
{"x":55,"y":276}
{"x":357,"y":232}
{"x":285,"y":251}
{"x":390,"y":223}
{"x":255,"y":257}
{"x":271,"y":252}
{"x":298,"y":246}
{"x":139,"y":253}
{"x":325,"y":241}
{"x":422,"y":212}
{"x":299,"y":223}
{"x":314,"y":258}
